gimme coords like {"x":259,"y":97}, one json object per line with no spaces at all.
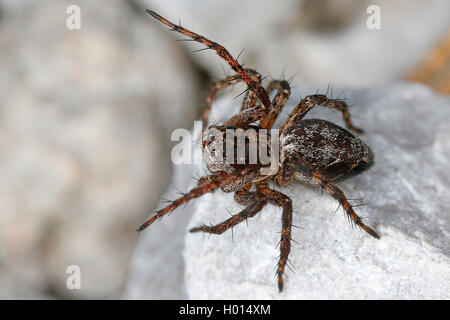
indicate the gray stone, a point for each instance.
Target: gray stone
{"x":406,"y":192}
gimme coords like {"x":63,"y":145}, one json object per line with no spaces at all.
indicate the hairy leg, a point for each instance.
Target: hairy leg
{"x":257,"y":112}
{"x":337,"y":193}
{"x":253,"y":85}
{"x":252,"y":199}
{"x":319,"y":99}
{"x":250,"y":211}
{"x":209,"y":185}
{"x":278,"y":102}
{"x":247,"y":116}
{"x":207,"y":179}
{"x":216,"y":86}
{"x":285,"y":202}
{"x":250,"y":98}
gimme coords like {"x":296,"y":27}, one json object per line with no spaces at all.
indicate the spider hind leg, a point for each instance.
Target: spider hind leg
{"x":337,"y":193}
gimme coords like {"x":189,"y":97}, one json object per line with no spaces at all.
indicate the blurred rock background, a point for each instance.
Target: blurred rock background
{"x":86,"y":117}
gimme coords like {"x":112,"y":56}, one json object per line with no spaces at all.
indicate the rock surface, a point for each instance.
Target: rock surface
{"x":406,"y":192}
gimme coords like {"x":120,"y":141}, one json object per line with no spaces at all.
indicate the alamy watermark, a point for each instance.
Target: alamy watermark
{"x":73,"y":22}
{"x":373,"y":21}
{"x":73,"y":281}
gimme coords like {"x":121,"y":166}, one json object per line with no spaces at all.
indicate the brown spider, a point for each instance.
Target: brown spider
{"x":313,"y":151}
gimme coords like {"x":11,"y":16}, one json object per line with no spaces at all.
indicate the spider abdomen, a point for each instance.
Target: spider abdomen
{"x":322,"y":146}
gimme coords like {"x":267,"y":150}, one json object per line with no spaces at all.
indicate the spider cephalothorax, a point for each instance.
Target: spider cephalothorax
{"x":312,"y":151}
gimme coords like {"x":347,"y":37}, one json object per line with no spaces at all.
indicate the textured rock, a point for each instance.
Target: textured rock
{"x":406,"y":192}
{"x":349,"y":54}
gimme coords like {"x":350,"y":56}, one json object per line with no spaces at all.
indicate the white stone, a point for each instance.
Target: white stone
{"x":407,"y":192}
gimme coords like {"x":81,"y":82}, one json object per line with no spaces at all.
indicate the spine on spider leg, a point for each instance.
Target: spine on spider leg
{"x":221,"y":52}
{"x":194,"y":193}
{"x":337,"y":193}
{"x":285,"y":242}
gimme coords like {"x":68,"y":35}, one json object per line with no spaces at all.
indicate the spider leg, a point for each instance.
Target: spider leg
{"x":248,"y":212}
{"x":244,"y":196}
{"x":207,"y":179}
{"x":278,"y":102}
{"x":254,"y":201}
{"x":285,"y":202}
{"x":319,"y":99}
{"x":216,"y":86}
{"x":337,"y":193}
{"x":224,"y":54}
{"x":266,"y":115}
{"x":250,"y":98}
{"x":247,"y":116}
{"x":209,"y":186}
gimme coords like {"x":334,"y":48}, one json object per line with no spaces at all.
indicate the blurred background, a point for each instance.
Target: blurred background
{"x":86,"y":114}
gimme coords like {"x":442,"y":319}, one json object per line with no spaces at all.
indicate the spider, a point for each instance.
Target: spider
{"x":313,"y":151}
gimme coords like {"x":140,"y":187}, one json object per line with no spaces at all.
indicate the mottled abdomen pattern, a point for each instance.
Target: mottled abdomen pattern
{"x":319,"y":145}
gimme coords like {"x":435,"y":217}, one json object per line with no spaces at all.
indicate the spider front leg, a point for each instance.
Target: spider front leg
{"x":337,"y":193}
{"x":254,"y":202}
{"x":278,"y":102}
{"x":321,"y":100}
{"x":207,"y":179}
{"x":248,"y":212}
{"x":253,"y":85}
{"x":248,"y":115}
{"x":250,"y":98}
{"x":258,"y":112}
{"x":216,"y":86}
